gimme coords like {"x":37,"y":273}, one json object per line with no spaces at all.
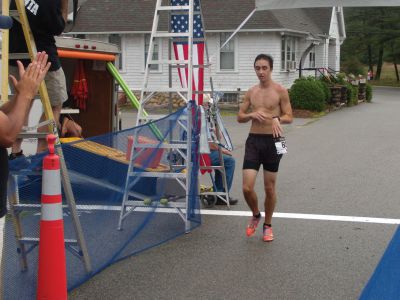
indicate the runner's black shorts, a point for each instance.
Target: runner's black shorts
{"x":260,"y":150}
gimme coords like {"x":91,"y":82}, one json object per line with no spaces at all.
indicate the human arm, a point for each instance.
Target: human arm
{"x":243,"y":115}
{"x":226,"y":152}
{"x":70,"y":128}
{"x":286,"y":116}
{"x":7,"y":107}
{"x":12,"y":116}
{"x":214,"y":147}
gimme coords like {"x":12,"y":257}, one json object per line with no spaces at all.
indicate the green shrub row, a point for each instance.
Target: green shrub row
{"x":369,"y":92}
{"x":309,"y":93}
{"x":314,"y":94}
{"x":352,"y":94}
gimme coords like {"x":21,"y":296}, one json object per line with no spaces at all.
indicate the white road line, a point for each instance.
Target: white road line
{"x":239,"y":213}
{"x":305,"y":217}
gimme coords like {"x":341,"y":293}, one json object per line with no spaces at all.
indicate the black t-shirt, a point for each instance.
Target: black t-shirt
{"x":46,"y":21}
{"x":3,"y":181}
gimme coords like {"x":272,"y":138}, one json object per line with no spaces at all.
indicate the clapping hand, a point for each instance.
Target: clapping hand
{"x":31,"y":78}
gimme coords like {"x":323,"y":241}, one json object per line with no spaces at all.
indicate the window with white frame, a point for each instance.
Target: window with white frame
{"x":227,"y":53}
{"x":311,"y":56}
{"x":117,"y":40}
{"x":155,"y":51}
{"x":288,"y":53}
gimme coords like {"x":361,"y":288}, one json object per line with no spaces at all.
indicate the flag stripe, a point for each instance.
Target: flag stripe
{"x":181,"y":53}
{"x":180,"y":24}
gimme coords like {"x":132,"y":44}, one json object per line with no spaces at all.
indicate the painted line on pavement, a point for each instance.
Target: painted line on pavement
{"x":305,"y":216}
{"x":240,"y":213}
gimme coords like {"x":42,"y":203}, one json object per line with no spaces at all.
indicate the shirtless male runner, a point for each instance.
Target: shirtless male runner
{"x":267,"y":105}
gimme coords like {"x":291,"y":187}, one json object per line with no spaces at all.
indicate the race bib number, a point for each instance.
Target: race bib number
{"x":280,"y":145}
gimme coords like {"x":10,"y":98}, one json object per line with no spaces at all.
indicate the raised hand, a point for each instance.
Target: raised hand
{"x":31,"y":78}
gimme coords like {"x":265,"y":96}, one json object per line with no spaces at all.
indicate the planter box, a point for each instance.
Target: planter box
{"x":339,"y":94}
{"x":336,"y":95}
{"x":362,"y":91}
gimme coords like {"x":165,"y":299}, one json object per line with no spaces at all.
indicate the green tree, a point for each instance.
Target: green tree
{"x":370,"y":32}
{"x":393,"y":54}
{"x":353,"y":66}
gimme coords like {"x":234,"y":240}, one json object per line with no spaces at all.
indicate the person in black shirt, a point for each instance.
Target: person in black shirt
{"x":47,"y":18}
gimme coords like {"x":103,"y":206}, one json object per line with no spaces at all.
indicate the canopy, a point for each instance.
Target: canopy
{"x":280,"y":4}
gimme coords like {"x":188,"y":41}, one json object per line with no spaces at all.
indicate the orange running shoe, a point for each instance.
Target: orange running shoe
{"x":268,"y":235}
{"x":251,"y":228}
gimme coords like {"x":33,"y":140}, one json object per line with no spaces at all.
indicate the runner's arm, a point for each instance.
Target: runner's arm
{"x":243,"y":115}
{"x":286,"y":116}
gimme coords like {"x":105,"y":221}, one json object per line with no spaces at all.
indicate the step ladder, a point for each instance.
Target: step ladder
{"x":78,"y":246}
{"x":188,"y":11}
{"x":210,"y":197}
{"x":147,"y":93}
{"x":211,"y":114}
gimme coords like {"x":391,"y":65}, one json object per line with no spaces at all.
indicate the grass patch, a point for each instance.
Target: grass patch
{"x":388,"y":76}
{"x":319,"y":114}
{"x":385,"y":82}
{"x":225,"y":112}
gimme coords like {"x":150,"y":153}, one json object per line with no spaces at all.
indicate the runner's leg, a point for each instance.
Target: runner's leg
{"x":249,"y":179}
{"x":270,"y":194}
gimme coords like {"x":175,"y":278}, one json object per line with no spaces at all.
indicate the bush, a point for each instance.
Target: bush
{"x":325,"y":88}
{"x":369,"y":92}
{"x":307,"y":93}
{"x":341,"y":78}
{"x":352,"y":94}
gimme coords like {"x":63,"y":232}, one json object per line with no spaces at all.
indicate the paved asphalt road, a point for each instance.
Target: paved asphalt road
{"x":343,"y":164}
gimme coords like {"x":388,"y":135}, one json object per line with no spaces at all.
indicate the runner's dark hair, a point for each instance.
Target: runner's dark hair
{"x":265,"y":57}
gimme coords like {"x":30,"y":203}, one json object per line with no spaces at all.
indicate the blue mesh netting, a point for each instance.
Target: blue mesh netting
{"x":384,"y":282}
{"x":97,"y":169}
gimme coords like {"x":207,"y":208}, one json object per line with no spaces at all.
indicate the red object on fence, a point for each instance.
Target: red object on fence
{"x":147,"y":158}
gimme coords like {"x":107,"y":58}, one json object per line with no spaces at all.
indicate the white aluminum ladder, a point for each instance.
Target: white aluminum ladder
{"x":147,"y":93}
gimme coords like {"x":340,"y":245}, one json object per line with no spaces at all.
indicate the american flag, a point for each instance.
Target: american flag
{"x":180,"y":24}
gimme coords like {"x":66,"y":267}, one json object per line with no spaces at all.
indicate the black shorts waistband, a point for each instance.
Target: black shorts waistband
{"x":261,"y":135}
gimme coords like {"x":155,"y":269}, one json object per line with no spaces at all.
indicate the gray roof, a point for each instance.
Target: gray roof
{"x":112,"y":16}
{"x":321,"y":17}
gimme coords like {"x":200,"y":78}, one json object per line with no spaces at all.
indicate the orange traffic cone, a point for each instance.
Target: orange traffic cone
{"x":52,"y":275}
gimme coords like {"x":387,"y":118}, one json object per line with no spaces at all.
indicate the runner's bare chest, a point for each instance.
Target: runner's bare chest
{"x":267,"y":100}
